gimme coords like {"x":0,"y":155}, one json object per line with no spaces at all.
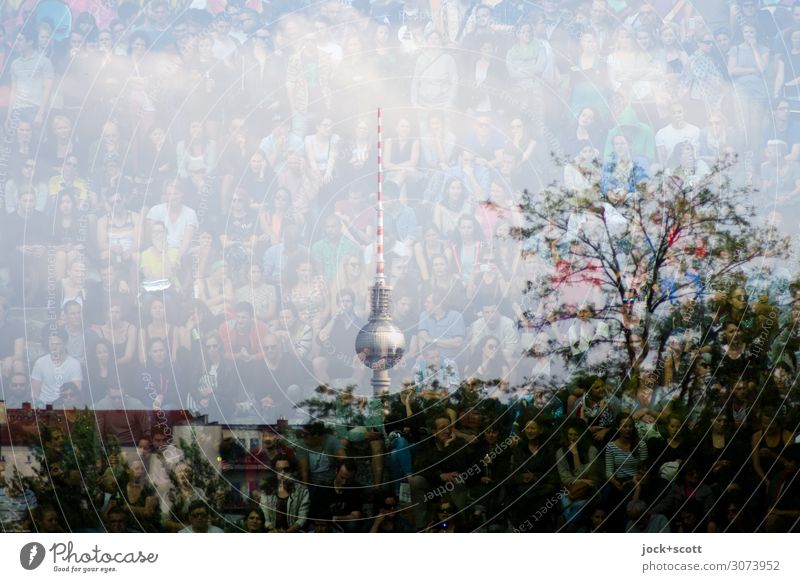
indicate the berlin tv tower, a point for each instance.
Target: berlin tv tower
{"x":380,"y":344}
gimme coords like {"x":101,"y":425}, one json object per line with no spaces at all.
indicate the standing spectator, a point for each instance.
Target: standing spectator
{"x":31,"y":82}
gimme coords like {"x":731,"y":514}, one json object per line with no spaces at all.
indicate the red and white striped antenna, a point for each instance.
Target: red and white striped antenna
{"x":379,"y":266}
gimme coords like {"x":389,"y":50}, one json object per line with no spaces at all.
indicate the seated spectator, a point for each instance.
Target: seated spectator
{"x":623,"y":173}
{"x":493,"y":323}
{"x":336,"y":339}
{"x":198,"y":513}
{"x":441,"y":326}
{"x":329,"y":253}
{"x":260,"y":294}
{"x":216,"y":290}
{"x":434,"y":372}
{"x":161,"y":379}
{"x":26,"y":180}
{"x":157,"y":327}
{"x":12,"y":342}
{"x":122,"y":334}
{"x":215,"y":387}
{"x":286,"y":501}
{"x":342,"y":500}
{"x":179,"y":220}
{"x":54,"y":368}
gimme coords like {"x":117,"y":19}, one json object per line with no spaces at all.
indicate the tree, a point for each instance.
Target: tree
{"x":653,"y":254}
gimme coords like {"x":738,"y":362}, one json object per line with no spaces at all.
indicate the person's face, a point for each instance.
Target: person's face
{"x":588,"y":43}
{"x":346,"y":303}
{"x":257,"y":163}
{"x":243,"y":321}
{"x":721,"y":423}
{"x":439,"y":267}
{"x":781,"y":377}
{"x":56,"y":345}
{"x":403,"y":128}
{"x":272,"y":348}
{"x":677,"y":114}
{"x":27,"y":203}
{"x":49,"y":522}
{"x":73,"y":316}
{"x":325,"y":127}
{"x":29,"y":169}
{"x":739,"y":298}
{"x":19,"y":384}
{"x":117,"y":523}
{"x":673,"y":427}
{"x":445,"y":511}
{"x":584,"y":314}
{"x":199,"y":519}
{"x":667,"y":36}
{"x":723,"y":42}
{"x":102,"y":353}
{"x":598,"y":11}
{"x":749,"y":7}
{"x":644,"y":40}
{"x":532,"y":430}
{"x":782,"y":111}
{"x":65,"y":205}
{"x":490,"y":315}
{"x":254,"y":521}
{"x":444,"y":430}
{"x":304,"y":271}
{"x":749,"y":34}
{"x":158,"y":353}
{"x":524,"y":34}
{"x":599,"y":517}
{"x":62,"y":129}
{"x":455,"y":190}
{"x":157,"y":310}
{"x":621,"y":147}
{"x":174,"y":197}
{"x":626,"y":429}
{"x":24,"y":132}
{"x":158,"y":234}
{"x":466,"y":229}
{"x":598,"y":391}
{"x":332,"y":228}
{"x":343,"y":476}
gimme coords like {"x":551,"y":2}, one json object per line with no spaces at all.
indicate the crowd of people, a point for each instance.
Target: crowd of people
{"x":188,"y":223}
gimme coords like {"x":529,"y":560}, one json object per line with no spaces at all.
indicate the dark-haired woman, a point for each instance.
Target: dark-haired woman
{"x":253,"y":521}
{"x":578,"y":469}
{"x":623,"y":456}
{"x":285,"y":502}
{"x":534,"y":485}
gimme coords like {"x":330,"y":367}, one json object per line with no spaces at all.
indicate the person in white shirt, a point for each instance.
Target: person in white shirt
{"x":181,"y":221}
{"x":678,"y":131}
{"x":53,"y":370}
{"x":493,"y":323}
